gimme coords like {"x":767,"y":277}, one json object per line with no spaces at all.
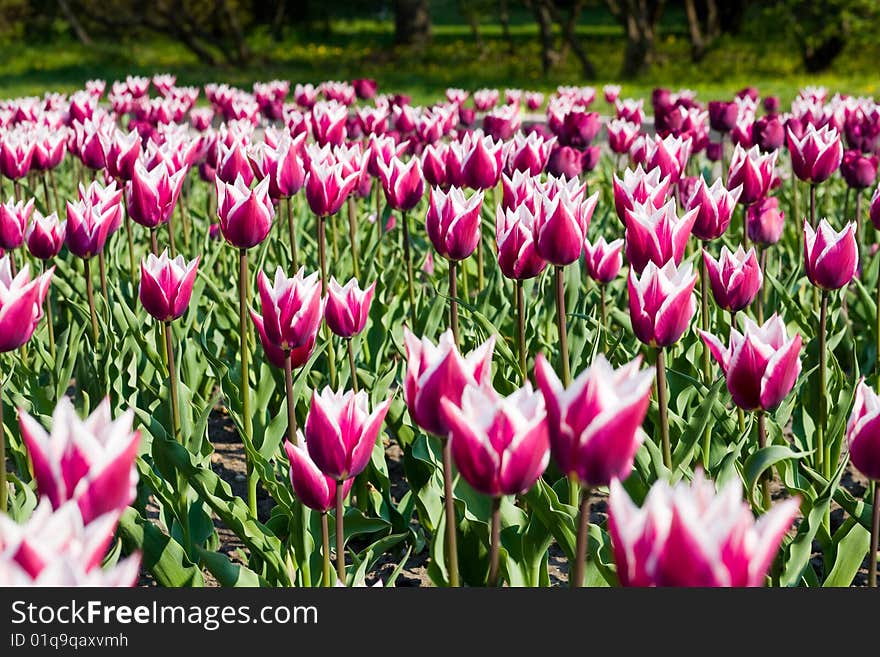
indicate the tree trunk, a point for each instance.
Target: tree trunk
{"x":545,"y":30}
{"x":80,"y":32}
{"x":698,"y":45}
{"x":568,"y":28}
{"x":278,"y":21}
{"x":412,"y":22}
{"x":639,"y":19}
{"x":504,"y":19}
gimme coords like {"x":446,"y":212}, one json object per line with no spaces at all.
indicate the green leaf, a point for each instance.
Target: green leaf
{"x":762,"y":460}
{"x":162,"y":555}
{"x":851,"y":552}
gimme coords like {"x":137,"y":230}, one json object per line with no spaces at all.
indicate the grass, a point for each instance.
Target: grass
{"x":363,"y":48}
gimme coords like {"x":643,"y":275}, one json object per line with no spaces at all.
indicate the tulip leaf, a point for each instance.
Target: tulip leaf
{"x":162,"y":556}
{"x":228,"y":573}
{"x":554,"y":515}
{"x":851,"y":550}
{"x":764,"y":459}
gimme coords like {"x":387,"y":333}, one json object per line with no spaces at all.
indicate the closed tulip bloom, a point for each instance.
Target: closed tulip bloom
{"x":768,"y":133}
{"x":817,"y":154}
{"x":347,"y":307}
{"x":453,"y":222}
{"x":715,"y":206}
{"x":16,"y":153}
{"x":434,"y":164}
{"x":528,"y":154}
{"x":565,"y":162}
{"x":327,"y":186}
{"x":282,"y":164}
{"x":753,"y":172}
{"x":166,"y":285}
{"x":723,"y":115}
{"x":90,"y":461}
{"x":153,"y":194}
{"x":340,"y":431}
{"x":313,"y":488}
{"x":481,"y":166}
{"x":621,"y":135}
{"x":859,"y":170}
{"x":761,"y":364}
{"x":14,"y":219}
{"x":602,"y":260}
{"x":611,"y":93}
{"x":514,"y":237}
{"x":874,"y":208}
{"x":670,"y":154}
{"x":403,"y":184}
{"x":689,"y":535}
{"x":579,"y":128}
{"x":765,"y":221}
{"x":292,"y":308}
{"x":661,"y":302}
{"x":435,"y":372}
{"x":831,"y":258}
{"x":519,"y":189}
{"x":122,"y":154}
{"x":561,"y":225}
{"x":277,"y":356}
{"x":863,"y":432}
{"x":92,"y":219}
{"x":595,"y":424}
{"x":232,"y":162}
{"x":45,"y":236}
{"x":500,"y":445}
{"x":49,"y":150}
{"x":93,"y":137}
{"x":21,"y":304}
{"x":657,"y":235}
{"x":327,"y":121}
{"x":245,"y":214}
{"x":735,"y":278}
{"x":640,"y":187}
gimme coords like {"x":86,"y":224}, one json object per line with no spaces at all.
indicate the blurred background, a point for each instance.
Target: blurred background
{"x":420,"y":47}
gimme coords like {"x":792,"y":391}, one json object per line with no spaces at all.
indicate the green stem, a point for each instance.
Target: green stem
{"x":172,"y":381}
{"x":131,"y":266}
{"x":54,"y":191}
{"x":494,"y":542}
{"x":245,"y":378}
{"x":351,"y":365}
{"x":762,"y":443}
{"x":322,"y":258}
{"x":352,"y":235}
{"x":184,"y":215}
{"x":813,"y":205}
{"x":707,"y":363}
{"x":745,"y":235}
{"x":761,"y":297}
{"x":46,"y":198}
{"x":404,"y":220}
{"x":171,"y":248}
{"x":340,"y":533}
{"x":875,"y":532}
{"x":521,"y":330}
{"x":560,"y":323}
{"x":821,"y":465}
{"x":858,"y":221}
{"x":603,"y":313}
{"x":480,"y":274}
{"x":662,"y":402}
{"x":90,"y":293}
{"x":453,"y":301}
{"x":291,"y":402}
{"x":291,"y":229}
{"x":325,"y":548}
{"x":50,"y":323}
{"x":449,"y":509}
{"x":580,"y":560}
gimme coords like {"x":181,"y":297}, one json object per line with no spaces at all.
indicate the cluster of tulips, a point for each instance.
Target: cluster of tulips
{"x":534,"y":441}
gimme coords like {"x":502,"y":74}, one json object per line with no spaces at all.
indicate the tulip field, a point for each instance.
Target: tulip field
{"x":307,"y":336}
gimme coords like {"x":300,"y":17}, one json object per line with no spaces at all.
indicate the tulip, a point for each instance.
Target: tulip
{"x":670,"y":154}
{"x":232,"y":162}
{"x":817,"y":154}
{"x":715,"y":208}
{"x":56,"y":548}
{"x":327,"y":121}
{"x":765,"y":222}
{"x":723,"y":115}
{"x":565,"y":162}
{"x":735,"y":278}
{"x":153,"y":194}
{"x":45,"y":235}
{"x":348,"y":307}
{"x":595,"y":429}
{"x":482,"y":164}
{"x":500,"y":446}
{"x":611,"y":92}
{"x":528,"y":154}
{"x":637,"y":186}
{"x":166,"y":285}
{"x":16,"y":153}
{"x":768,"y":133}
{"x":830,"y":257}
{"x":603,"y":261}
{"x":657,"y":235}
{"x":621,"y":135}
{"x":863,"y":439}
{"x":689,"y":535}
{"x":90,"y":461}
{"x":292,"y":308}
{"x":327,"y":186}
{"x":14,"y":219}
{"x":434,"y":373}
{"x":340,"y":434}
{"x":122,"y":154}
{"x":753,"y":172}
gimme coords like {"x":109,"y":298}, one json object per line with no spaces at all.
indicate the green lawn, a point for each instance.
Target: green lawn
{"x":362,"y":47}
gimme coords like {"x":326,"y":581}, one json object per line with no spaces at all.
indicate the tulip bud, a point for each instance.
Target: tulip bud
{"x":751,"y":171}
{"x":403,"y":184}
{"x":481,"y":166}
{"x":292,"y":308}
{"x":453,"y":222}
{"x":661,"y":302}
{"x":21,"y":304}
{"x":561,"y":223}
{"x":816,"y":155}
{"x":765,"y":222}
{"x":313,"y":488}
{"x":657,"y":235}
{"x":715,"y":206}
{"x":347,"y":307}
{"x":166,"y":285}
{"x":153,"y":194}
{"x":761,"y":364}
{"x":638,"y":187}
{"x":92,"y":219}
{"x":45,"y":236}
{"x":863,"y":432}
{"x":514,"y":236}
{"x":602,"y":260}
{"x":858,"y":170}
{"x":245,"y":214}
{"x":595,"y":424}
{"x":13,"y":222}
{"x":689,"y":535}
{"x":621,"y":135}
{"x":831,"y":258}
{"x":736,"y":278}
{"x":723,"y":115}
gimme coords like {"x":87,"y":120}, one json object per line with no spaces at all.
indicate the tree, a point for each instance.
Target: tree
{"x":704,"y":25}
{"x":639,"y":19}
{"x":412,"y":22}
{"x":548,"y":12}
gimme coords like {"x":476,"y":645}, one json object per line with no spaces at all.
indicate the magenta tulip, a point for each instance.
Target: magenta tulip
{"x":753,"y":172}
{"x":340,"y":431}
{"x":435,"y":372}
{"x":602,"y":260}
{"x":453,"y":222}
{"x":327,"y":186}
{"x":689,"y":535}
{"x":122,"y":154}
{"x":817,"y":154}
{"x":735,"y":278}
{"x":761,"y":364}
{"x":153,"y":194}
{"x":45,"y":236}
{"x":313,"y":488}
{"x":403,"y":184}
{"x":277,"y":356}
{"x":669,"y":154}
{"x":232,"y":162}
{"x":562,"y":221}
{"x":595,"y":424}
{"x":500,"y":445}
{"x":21,"y":304}
{"x":514,"y":231}
{"x":765,"y":221}
{"x":166,"y":285}
{"x":292,"y":308}
{"x":90,"y":461}
{"x":657,"y":235}
{"x":863,"y":432}
{"x":637,"y":186}
{"x":858,"y":170}
{"x":245,"y":214}
{"x":481,"y":166}
{"x":282,"y":164}
{"x":831,"y":258}
{"x":661,"y":302}
{"x":347,"y":307}
{"x":723,"y":115}
{"x":621,"y":135}
{"x":14,"y":219}
{"x":715,"y":208}
{"x":528,"y":153}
